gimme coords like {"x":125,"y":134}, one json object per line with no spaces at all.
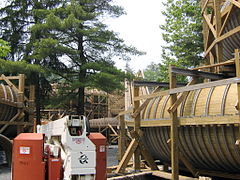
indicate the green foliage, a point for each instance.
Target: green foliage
{"x":182,"y":33}
{"x":18,"y":67}
{"x":69,"y":40}
{"x":4,"y":48}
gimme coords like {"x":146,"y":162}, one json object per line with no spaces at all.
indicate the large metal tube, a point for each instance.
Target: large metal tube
{"x":208,"y":147}
{"x":7,"y":112}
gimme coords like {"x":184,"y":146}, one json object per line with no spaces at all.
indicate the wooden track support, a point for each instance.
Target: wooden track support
{"x":24,"y":104}
{"x":174,"y":129}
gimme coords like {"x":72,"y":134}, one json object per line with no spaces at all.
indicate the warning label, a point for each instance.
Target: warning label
{"x":102,"y":148}
{"x":24,"y":150}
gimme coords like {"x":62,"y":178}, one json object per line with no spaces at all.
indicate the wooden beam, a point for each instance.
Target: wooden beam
{"x":137,"y":120}
{"x":122,"y":139}
{"x":229,"y":62}
{"x":195,"y":73}
{"x":143,"y":105}
{"x":10,"y":78}
{"x":128,"y":154}
{"x":226,"y":19}
{"x":237,"y":65}
{"x":204,"y":5}
{"x":174,"y":129}
{"x":191,"y":121}
{"x":181,"y":98}
{"x":218,"y":26}
{"x":113,"y":130}
{"x":236,"y":3}
{"x":19,"y":115}
{"x":17,"y":123}
{"x":167,"y":175}
{"x":224,"y":36}
{"x":210,"y":25}
{"x":145,"y":153}
{"x":9,"y":103}
{"x":190,"y":88}
{"x":3,"y":77}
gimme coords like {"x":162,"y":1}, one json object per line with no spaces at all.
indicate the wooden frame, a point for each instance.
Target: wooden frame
{"x":24,"y":104}
{"x":215,"y":21}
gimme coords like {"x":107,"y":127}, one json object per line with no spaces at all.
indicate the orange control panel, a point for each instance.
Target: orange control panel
{"x":101,"y":165}
{"x":28,"y":163}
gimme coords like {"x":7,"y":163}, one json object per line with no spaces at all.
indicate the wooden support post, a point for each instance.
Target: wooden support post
{"x":128,"y":154}
{"x":137,"y":155}
{"x":218,"y":26}
{"x":237,"y":64}
{"x":181,"y":98}
{"x":20,"y":98}
{"x":174,"y":129}
{"x":122,"y":139}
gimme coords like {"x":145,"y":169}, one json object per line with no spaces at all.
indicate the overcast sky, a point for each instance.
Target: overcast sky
{"x":140,"y":28}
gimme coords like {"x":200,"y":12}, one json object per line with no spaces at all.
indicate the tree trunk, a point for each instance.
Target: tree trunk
{"x":81,"y":94}
{"x":37,"y":97}
{"x":82,"y":77}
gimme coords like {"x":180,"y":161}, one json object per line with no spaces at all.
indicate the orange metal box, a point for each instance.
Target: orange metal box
{"x":27,"y":158}
{"x":54,"y":168}
{"x":101,"y":166}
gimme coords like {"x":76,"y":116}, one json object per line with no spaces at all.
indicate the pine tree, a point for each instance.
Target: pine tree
{"x":68,"y":39}
{"x":182,"y":33}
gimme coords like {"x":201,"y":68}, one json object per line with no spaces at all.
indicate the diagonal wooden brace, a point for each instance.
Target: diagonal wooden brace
{"x":129,"y":153}
{"x":181,"y":98}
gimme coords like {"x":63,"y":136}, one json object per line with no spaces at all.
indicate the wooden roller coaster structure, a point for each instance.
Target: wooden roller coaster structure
{"x":16,"y":110}
{"x":196,"y":127}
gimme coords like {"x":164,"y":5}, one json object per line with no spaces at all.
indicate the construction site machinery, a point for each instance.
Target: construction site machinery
{"x":62,"y":149}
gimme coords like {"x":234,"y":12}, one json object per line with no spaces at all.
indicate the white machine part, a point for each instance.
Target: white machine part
{"x":77,"y":151}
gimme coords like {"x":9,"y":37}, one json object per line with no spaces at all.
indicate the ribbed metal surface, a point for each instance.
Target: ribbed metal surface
{"x":103,"y":122}
{"x":206,"y":147}
{"x":231,"y":43}
{"x":7,"y":112}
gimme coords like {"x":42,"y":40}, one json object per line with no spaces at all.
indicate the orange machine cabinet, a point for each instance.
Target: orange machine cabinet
{"x":54,"y":168}
{"x":27,"y":160}
{"x":101,"y":166}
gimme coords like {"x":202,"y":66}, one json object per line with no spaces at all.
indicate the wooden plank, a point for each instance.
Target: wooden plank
{"x":147,"y":156}
{"x":10,"y":78}
{"x":224,"y":36}
{"x":137,"y":120}
{"x":174,"y":129}
{"x":122,"y":139}
{"x":190,"y":88}
{"x":153,"y":95}
{"x":210,"y":25}
{"x":237,"y":65}
{"x":236,"y":3}
{"x":113,"y":130}
{"x":181,"y":98}
{"x":196,"y":73}
{"x":226,"y":19}
{"x":127,"y":156}
{"x":140,"y":108}
{"x":143,"y":105}
{"x":191,"y":121}
{"x":21,"y":123}
{"x":9,"y":103}
{"x":9,"y":83}
{"x":229,"y":62}
{"x":218,"y":26}
{"x":166,"y":175}
{"x":125,"y":112}
{"x":204,"y":6}
{"x":144,"y":152}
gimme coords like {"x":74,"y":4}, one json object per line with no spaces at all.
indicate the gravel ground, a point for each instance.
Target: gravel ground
{"x":5,"y":173}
